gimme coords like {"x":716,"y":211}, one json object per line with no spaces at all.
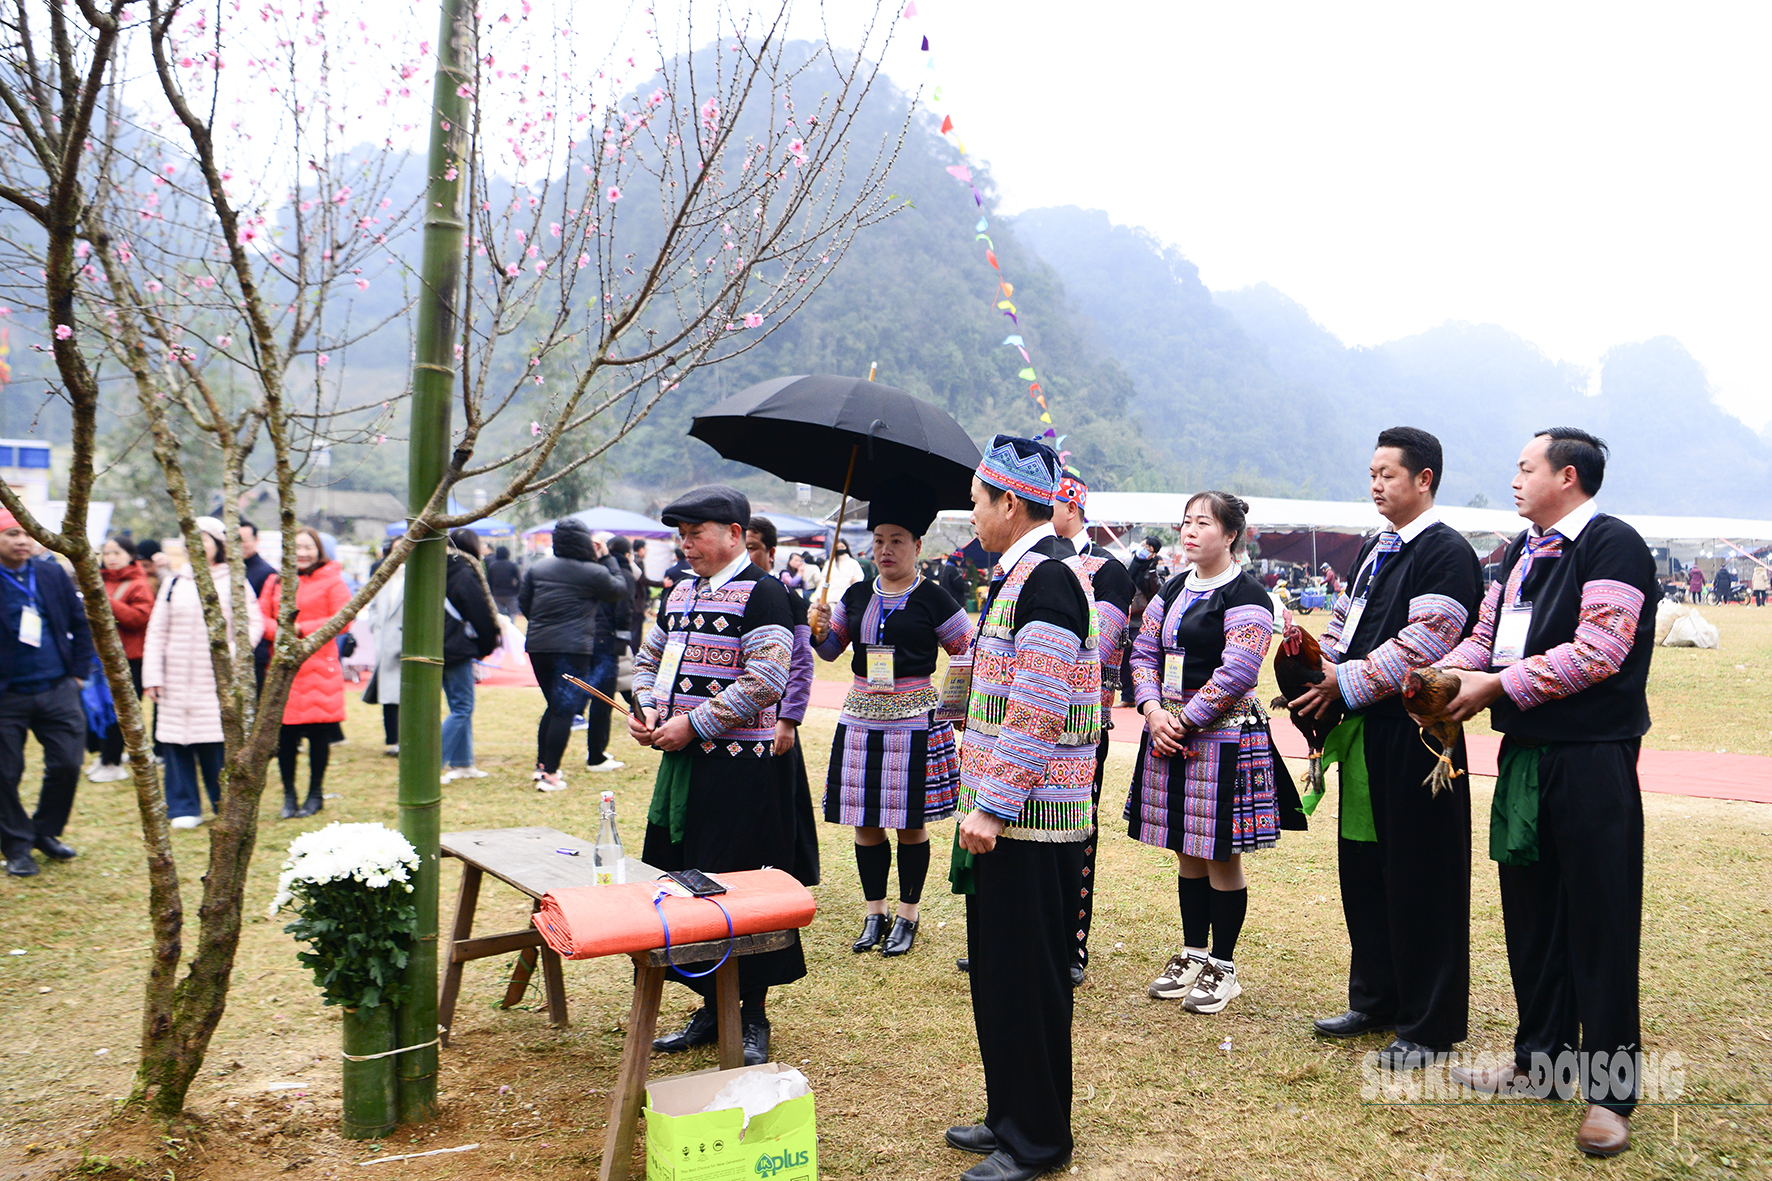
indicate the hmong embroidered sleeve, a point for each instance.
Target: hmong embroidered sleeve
{"x":1147,"y":656}
{"x":646,"y":660}
{"x":1477,"y":650}
{"x":955,"y":636}
{"x":1110,"y":633}
{"x":1039,"y":702}
{"x":766,"y":658}
{"x":1331,"y":640}
{"x":799,"y":694}
{"x":1435,"y":623}
{"x":837,"y":638}
{"x":1247,"y":633}
{"x":1604,"y":630}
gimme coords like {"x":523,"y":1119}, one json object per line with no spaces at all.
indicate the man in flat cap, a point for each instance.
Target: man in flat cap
{"x":709,"y":683}
{"x":1110,"y":584}
{"x":1027,"y":769}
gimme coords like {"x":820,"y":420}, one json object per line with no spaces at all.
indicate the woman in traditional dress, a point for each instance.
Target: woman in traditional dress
{"x":893,"y":765}
{"x":1205,"y":784}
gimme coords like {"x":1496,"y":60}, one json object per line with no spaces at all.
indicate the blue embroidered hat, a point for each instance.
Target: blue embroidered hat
{"x":1022,"y":466}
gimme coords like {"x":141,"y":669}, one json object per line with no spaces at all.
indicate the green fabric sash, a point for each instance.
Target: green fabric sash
{"x":1346,"y":745}
{"x":960,"y":867}
{"x":670,"y":794}
{"x":1513,"y":817}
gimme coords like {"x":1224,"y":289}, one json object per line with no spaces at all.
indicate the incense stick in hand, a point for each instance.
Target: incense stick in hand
{"x":597,"y":693}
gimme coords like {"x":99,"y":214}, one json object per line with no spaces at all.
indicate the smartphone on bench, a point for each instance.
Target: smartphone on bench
{"x":696,"y":882}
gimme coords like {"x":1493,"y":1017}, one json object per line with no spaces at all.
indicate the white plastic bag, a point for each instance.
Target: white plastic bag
{"x":1693,"y":630}
{"x":758,"y":1091}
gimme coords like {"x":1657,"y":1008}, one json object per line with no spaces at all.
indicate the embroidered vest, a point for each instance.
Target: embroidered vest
{"x":1110,"y":660}
{"x":1059,"y":808}
{"x":711,"y":626}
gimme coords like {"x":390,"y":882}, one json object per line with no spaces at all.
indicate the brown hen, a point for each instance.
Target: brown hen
{"x":1298,"y":664}
{"x":1427,"y":692}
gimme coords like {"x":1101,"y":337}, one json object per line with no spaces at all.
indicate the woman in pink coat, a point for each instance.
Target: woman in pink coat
{"x":316,"y":702}
{"x":178,"y":674}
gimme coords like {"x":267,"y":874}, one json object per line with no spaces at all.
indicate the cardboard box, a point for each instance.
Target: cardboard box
{"x":685,"y":1143}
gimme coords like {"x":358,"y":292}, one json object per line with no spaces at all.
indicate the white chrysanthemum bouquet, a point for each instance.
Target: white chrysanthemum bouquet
{"x":350,"y":886}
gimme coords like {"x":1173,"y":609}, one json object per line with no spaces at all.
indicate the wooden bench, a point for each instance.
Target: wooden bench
{"x":528,"y":859}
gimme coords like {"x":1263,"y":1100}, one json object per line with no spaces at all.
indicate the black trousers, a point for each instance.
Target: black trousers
{"x":1018,"y":935}
{"x":1574,"y":920}
{"x":56,"y":717}
{"x":1086,"y":909}
{"x":1407,"y":896}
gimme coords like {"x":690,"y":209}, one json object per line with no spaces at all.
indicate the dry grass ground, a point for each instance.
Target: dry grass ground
{"x":887,"y":1044}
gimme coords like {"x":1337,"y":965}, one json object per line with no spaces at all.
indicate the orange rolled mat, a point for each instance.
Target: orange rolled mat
{"x":583,"y":922}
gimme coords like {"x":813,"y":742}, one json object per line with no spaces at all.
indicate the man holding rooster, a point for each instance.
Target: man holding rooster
{"x":1405,"y":847}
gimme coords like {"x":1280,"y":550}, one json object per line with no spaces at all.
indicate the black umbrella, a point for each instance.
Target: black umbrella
{"x":813,"y":428}
{"x":848,"y":434}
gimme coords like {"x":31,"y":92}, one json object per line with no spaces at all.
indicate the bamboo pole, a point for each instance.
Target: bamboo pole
{"x":819,"y":629}
{"x":421,"y":666}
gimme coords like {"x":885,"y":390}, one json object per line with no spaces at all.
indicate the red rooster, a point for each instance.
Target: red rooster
{"x":1298,"y":664}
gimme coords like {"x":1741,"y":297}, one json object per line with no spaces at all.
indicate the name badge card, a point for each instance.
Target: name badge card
{"x":668,"y":665}
{"x":30,"y":627}
{"x":880,"y":666}
{"x":1172,"y":673}
{"x":956,"y":691}
{"x":1352,"y":624}
{"x":1511,"y":627}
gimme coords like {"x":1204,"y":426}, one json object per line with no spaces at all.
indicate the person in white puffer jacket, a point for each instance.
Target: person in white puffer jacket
{"x":177,"y":673}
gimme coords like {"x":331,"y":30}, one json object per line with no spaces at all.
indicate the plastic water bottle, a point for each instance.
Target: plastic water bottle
{"x":607,"y":858}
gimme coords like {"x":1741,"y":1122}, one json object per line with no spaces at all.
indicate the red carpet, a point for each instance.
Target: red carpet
{"x":1670,"y":772}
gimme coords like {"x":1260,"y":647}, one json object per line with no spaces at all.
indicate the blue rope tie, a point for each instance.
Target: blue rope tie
{"x":658,"y":904}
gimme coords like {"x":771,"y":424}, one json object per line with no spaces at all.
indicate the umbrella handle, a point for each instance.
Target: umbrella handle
{"x":819,"y":629}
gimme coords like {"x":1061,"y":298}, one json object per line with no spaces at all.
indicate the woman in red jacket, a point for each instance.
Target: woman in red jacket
{"x":132,"y":601}
{"x":316,"y":702}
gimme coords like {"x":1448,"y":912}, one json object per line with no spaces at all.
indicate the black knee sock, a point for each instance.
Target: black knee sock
{"x":874,"y":863}
{"x":319,"y":751}
{"x":913,"y":870}
{"x":288,"y":747}
{"x":1196,"y":917}
{"x":1228,"y":908}
{"x":753,"y":1006}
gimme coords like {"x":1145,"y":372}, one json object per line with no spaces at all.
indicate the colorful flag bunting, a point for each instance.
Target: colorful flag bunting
{"x":1026,"y":374}
{"x":960,"y":173}
{"x":990,"y":256}
{"x":925,"y":45}
{"x":947,"y":124}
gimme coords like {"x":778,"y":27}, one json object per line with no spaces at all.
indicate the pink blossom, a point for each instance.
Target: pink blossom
{"x":541,"y":264}
{"x":62,"y":332}
{"x":753,"y":320}
{"x":153,"y":285}
{"x":362,"y":284}
{"x":554,"y":228}
{"x":511,"y":270}
{"x":614,"y":194}
{"x":451,"y":174}
{"x":4,"y":311}
{"x":534,"y":428}
{"x":224,"y":341}
{"x":522,"y":236}
{"x":583,"y":261}
{"x":322,"y":360}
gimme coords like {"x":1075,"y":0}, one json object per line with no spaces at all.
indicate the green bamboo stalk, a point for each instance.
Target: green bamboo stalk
{"x":421,"y":669}
{"x":368,"y":1087}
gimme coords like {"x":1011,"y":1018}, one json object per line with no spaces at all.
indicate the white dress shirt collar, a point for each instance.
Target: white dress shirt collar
{"x":1419,"y":525}
{"x":730,"y":571}
{"x":1021,"y":545}
{"x":1572,"y":524}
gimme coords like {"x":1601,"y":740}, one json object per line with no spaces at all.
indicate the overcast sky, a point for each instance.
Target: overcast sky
{"x":1584,"y":174}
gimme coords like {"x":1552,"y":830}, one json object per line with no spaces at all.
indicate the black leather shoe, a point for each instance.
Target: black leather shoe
{"x":290,"y":807}
{"x":873,"y":929}
{"x":56,"y":848}
{"x":1352,"y":1024}
{"x":311,"y":805}
{"x":904,"y":934}
{"x":1000,"y":1166}
{"x":964,"y":964}
{"x":1403,"y":1054}
{"x":703,"y":1030}
{"x":756,"y":1043}
{"x":22,"y":865}
{"x":1077,"y":975}
{"x":974,"y":1138}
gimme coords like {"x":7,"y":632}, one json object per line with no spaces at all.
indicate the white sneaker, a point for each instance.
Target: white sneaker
{"x":469,"y":773}
{"x":608,"y":764}
{"x":186,"y":821}
{"x":108,"y":773}
{"x":1216,"y":987}
{"x":551,"y":783}
{"x":580,"y":722}
{"x":1178,"y":978}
